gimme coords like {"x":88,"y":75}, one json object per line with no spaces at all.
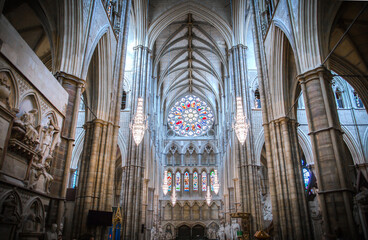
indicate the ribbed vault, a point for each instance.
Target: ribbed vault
{"x":190,"y":57}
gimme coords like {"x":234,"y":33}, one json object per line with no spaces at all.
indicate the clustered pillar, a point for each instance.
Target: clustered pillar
{"x":334,"y":190}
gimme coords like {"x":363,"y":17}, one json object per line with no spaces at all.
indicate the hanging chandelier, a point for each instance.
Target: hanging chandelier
{"x":208,"y":197}
{"x":216,"y":185}
{"x":241,"y":125}
{"x":139,"y":125}
{"x":173,"y":197}
{"x":165,"y":187}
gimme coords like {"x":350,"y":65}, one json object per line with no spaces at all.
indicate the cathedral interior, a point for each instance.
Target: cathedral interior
{"x":186,"y":119}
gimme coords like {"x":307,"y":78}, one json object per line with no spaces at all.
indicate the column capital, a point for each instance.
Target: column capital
{"x":62,"y":77}
{"x":314,"y":74}
{"x":238,"y":46}
{"x":143,"y":48}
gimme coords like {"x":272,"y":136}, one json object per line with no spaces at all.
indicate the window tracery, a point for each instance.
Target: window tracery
{"x":190,"y":117}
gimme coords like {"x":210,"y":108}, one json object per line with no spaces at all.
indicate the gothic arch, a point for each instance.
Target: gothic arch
{"x":306,"y":146}
{"x":353,"y":146}
{"x":87,"y":60}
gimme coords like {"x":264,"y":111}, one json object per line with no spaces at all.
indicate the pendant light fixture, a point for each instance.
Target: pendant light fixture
{"x":241,"y":125}
{"x":139,"y":124}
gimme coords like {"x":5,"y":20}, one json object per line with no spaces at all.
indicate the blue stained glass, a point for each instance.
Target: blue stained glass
{"x":306,"y":177}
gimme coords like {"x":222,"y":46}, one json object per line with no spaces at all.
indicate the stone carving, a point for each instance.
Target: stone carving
{"x":235,"y":228}
{"x":211,"y":233}
{"x":221,"y":232}
{"x":52,"y":234}
{"x":228,"y":232}
{"x":25,"y":129}
{"x":153,"y":233}
{"x":4,"y":91}
{"x":41,"y":164}
{"x":169,"y":233}
{"x":9,"y":210}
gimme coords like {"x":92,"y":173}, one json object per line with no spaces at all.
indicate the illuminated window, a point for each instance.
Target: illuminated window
{"x":186,"y":181}
{"x":169,"y":180}
{"x":358,"y":101}
{"x":177,"y":181}
{"x":204,"y":181}
{"x":195,"y":181}
{"x":190,"y":116}
{"x":306,"y":174}
{"x":212,"y":179}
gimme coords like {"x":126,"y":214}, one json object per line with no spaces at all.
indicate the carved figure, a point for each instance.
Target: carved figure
{"x":153,"y":233}
{"x":235,"y":228}
{"x":221,"y":232}
{"x":4,"y":91}
{"x":52,"y":235}
{"x":29,"y":122}
{"x":228,"y":232}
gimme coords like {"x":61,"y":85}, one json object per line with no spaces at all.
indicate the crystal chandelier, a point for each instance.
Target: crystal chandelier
{"x":165,"y":187}
{"x":216,"y":185}
{"x":173,"y":197}
{"x":241,"y":125}
{"x":139,"y":125}
{"x":208,"y":197}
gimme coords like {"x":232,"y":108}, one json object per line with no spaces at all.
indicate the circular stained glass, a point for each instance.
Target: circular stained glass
{"x":190,"y":116}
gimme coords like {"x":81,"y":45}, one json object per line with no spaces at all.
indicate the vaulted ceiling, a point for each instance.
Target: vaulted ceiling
{"x":190,"y":57}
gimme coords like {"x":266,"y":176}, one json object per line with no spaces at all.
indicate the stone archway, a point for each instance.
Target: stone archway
{"x":184,"y":233}
{"x":198,"y":232}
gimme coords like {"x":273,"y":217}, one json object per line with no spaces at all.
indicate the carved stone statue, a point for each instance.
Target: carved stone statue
{"x":153,"y":233}
{"x":25,"y":129}
{"x":221,"y":232}
{"x":52,"y":234}
{"x":211,"y":233}
{"x":235,"y":228}
{"x":41,"y":163}
{"x":29,"y":122}
{"x":228,"y":232}
{"x":4,"y":90}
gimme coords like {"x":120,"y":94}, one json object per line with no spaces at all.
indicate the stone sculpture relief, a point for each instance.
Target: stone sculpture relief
{"x":41,"y":164}
{"x":221,"y":232}
{"x":41,"y":142}
{"x":4,"y":91}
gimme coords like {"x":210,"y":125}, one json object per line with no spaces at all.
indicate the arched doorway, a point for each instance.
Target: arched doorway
{"x":184,"y":233}
{"x":198,"y":232}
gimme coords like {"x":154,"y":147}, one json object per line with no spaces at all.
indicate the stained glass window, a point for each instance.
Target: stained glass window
{"x":306,"y":174}
{"x":186,"y":181}
{"x":190,"y":116}
{"x":177,"y":181}
{"x":195,"y":181}
{"x":212,"y":179}
{"x":306,"y":177}
{"x":204,"y":181}
{"x":169,"y":180}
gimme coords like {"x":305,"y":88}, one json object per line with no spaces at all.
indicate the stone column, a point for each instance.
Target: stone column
{"x":94,"y":173}
{"x":292,"y":214}
{"x":335,"y":192}
{"x":249,"y":192}
{"x":133,"y":190}
{"x":73,"y":85}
